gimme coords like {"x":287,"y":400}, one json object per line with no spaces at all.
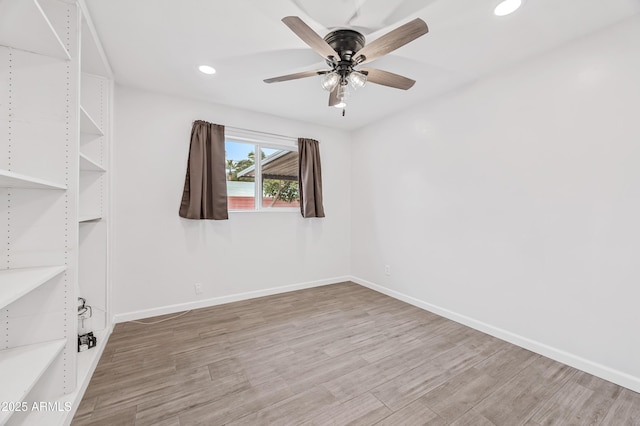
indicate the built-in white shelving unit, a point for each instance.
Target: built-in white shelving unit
{"x":41,"y":37}
{"x":22,"y":367}
{"x":39,"y":267}
{"x":95,"y":101}
{"x":96,"y":90}
{"x":15,"y":283}
{"x":55,"y":123}
{"x":15,"y":180}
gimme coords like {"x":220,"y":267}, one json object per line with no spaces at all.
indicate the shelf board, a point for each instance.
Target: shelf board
{"x":24,"y":25}
{"x":22,"y":367}
{"x":15,"y":283}
{"x":88,"y":165}
{"x":88,"y":124}
{"x":89,"y":218}
{"x":15,"y":180}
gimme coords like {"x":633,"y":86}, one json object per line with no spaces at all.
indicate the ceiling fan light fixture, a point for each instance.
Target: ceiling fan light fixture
{"x":343,"y":94}
{"x":330,"y":80}
{"x":357,"y":79}
{"x":507,"y":7}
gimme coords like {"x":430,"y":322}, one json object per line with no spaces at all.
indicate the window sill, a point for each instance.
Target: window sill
{"x":268,"y":211}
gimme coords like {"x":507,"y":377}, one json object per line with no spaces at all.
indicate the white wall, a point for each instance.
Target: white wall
{"x":514,"y":205}
{"x":158,"y":256}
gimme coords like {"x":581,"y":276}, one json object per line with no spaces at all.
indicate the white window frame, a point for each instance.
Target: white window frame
{"x":260,"y":141}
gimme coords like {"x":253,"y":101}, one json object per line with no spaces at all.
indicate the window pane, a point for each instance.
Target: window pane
{"x":240,"y":175}
{"x":280,"y":178}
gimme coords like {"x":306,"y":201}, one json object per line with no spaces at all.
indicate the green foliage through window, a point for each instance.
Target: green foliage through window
{"x":279,"y":180}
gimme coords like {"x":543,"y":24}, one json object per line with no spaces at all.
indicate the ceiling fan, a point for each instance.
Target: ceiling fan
{"x":345,"y":50}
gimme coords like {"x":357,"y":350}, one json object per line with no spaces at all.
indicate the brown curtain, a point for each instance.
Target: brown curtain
{"x":205,"y":186}
{"x":310,"y":178}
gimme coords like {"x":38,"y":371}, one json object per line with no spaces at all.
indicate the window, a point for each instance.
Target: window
{"x":268,"y":183}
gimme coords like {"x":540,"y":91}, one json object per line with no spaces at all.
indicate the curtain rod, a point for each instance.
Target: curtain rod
{"x":257,"y":133}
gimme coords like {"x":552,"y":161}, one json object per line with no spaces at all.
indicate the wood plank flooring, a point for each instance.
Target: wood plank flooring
{"x":334,"y":355}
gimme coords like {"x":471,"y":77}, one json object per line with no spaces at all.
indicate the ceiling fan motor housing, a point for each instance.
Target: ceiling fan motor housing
{"x":345,"y":42}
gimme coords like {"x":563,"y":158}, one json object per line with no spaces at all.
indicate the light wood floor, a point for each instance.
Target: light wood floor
{"x":337,"y":354}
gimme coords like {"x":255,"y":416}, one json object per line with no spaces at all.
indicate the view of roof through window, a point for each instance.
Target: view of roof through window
{"x":278,"y":176}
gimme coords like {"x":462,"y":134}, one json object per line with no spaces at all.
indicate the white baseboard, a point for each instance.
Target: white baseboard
{"x":205,"y":303}
{"x":599,"y":370}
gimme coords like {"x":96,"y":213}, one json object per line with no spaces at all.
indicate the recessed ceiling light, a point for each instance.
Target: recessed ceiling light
{"x":507,"y":7}
{"x":206,"y":69}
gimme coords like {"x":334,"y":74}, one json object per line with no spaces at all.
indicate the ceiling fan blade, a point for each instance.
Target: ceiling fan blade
{"x":392,"y":41}
{"x":295,"y":76}
{"x":333,"y":96}
{"x":310,"y":37}
{"x":387,"y":78}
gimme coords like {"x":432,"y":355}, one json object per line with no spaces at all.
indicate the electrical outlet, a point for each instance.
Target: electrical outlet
{"x":387,"y":269}
{"x":198,"y":288}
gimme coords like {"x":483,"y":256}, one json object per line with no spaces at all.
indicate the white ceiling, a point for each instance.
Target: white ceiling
{"x":158,"y":44}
